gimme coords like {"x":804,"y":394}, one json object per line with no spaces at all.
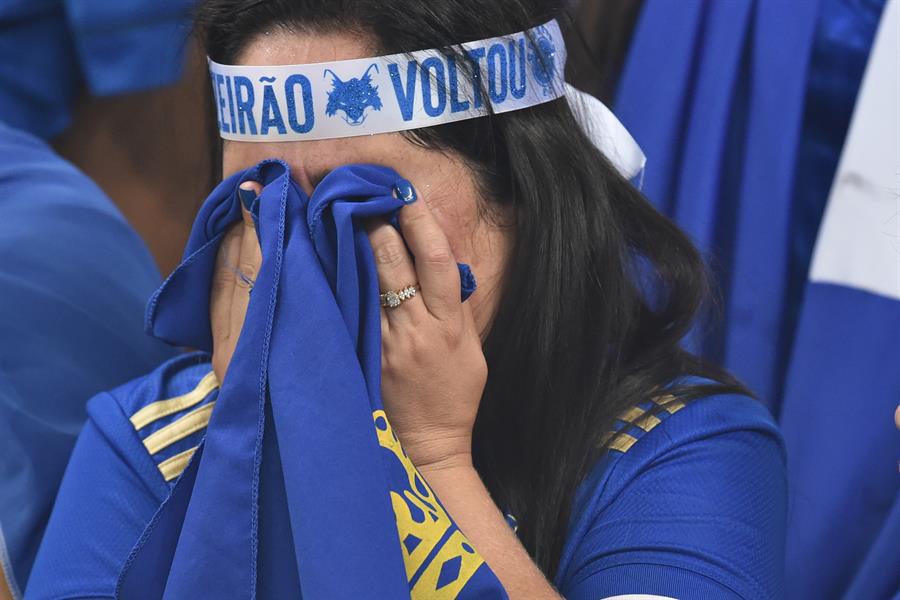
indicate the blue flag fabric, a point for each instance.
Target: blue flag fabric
{"x":348,"y":515}
{"x":742,"y":108}
{"x":843,"y":447}
{"x":714,"y":92}
{"x":844,"y":383}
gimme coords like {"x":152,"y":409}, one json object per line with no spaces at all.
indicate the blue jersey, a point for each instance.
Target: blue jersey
{"x":688,"y":503}
{"x":74,"y":278}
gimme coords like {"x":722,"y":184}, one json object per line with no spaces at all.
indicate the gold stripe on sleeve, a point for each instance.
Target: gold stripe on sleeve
{"x":631,"y":414}
{"x":195,"y":420}
{"x":635,"y":415}
{"x":647,"y":422}
{"x":164,"y":408}
{"x":622,"y":442}
{"x":640,"y":418}
{"x":670,"y":403}
{"x":173,"y":467}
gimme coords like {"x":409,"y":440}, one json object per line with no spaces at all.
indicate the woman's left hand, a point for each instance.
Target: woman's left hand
{"x":433,"y":367}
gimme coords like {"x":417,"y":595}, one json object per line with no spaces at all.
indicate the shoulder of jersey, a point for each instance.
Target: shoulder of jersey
{"x":638,"y":420}
{"x":716,"y":413}
{"x":170,"y":408}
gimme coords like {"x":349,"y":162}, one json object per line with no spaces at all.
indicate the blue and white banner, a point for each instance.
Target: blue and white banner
{"x":389,"y":93}
{"x":844,"y":380}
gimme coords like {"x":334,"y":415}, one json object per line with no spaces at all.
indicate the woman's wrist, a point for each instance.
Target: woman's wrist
{"x":450,"y":465}
{"x":463,"y":494}
{"x":437,"y":454}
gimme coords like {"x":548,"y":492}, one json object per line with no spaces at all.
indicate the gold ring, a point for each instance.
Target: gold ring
{"x":392,"y":299}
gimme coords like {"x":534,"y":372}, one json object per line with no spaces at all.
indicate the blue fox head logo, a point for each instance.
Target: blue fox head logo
{"x":543,"y":59}
{"x":353,"y":97}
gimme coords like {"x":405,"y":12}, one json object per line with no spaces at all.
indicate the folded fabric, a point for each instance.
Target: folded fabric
{"x":336,"y":505}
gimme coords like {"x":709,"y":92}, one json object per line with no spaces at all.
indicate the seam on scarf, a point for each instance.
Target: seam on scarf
{"x":316,"y":218}
{"x":260,"y":422}
{"x":317,"y":214}
{"x":153,"y":304}
{"x":148,"y":531}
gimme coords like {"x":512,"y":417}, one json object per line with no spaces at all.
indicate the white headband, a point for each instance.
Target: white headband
{"x":409,"y":91}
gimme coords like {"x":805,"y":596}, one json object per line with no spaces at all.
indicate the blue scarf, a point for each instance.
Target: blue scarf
{"x":300,"y":483}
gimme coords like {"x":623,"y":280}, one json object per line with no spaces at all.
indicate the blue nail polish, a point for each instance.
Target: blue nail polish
{"x":405,"y":191}
{"x":247,"y":197}
{"x":467,"y":281}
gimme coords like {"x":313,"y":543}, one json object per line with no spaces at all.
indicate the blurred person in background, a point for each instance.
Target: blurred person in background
{"x":94,"y":104}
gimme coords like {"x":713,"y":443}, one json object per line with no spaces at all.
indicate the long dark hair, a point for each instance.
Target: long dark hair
{"x":599,"y":289}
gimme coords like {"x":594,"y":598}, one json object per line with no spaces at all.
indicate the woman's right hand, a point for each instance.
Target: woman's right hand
{"x":237,"y":265}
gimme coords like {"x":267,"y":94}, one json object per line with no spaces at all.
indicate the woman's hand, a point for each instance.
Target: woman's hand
{"x":433,"y":375}
{"x":237,"y":265}
{"x":433,"y":371}
{"x":433,"y":368}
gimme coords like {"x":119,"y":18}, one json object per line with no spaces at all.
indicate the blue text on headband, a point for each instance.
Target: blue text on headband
{"x":400,"y":92}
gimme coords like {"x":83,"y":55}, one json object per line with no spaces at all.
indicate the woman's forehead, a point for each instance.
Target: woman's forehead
{"x":282,"y":46}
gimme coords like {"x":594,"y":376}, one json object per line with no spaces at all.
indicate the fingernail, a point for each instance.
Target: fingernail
{"x":405,"y":191}
{"x":247,"y":197}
